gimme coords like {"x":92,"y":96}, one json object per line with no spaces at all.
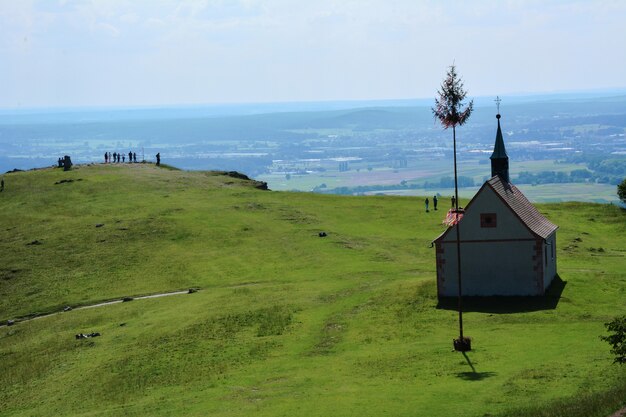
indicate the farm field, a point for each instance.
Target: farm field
{"x":285,"y":322}
{"x":599,"y":193}
{"x":435,"y":169}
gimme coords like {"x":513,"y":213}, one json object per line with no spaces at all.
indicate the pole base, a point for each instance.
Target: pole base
{"x":462,"y":345}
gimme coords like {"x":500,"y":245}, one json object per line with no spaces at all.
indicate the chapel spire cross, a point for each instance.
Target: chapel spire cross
{"x":499,"y":158}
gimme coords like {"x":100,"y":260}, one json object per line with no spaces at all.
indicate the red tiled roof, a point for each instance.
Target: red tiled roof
{"x":523,"y":208}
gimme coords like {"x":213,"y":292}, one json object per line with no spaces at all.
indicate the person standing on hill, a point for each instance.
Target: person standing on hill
{"x":106,"y":157}
{"x":2,"y":185}
{"x":426,"y":202}
{"x":453,"y":201}
{"x":130,"y":157}
{"x":435,"y":202}
{"x":158,"y":157}
{"x":134,"y":157}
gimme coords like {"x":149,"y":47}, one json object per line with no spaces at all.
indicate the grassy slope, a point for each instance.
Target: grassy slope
{"x":287,"y":323}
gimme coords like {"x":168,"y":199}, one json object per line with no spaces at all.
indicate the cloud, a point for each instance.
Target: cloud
{"x":108,"y":28}
{"x":153,"y":22}
{"x":129,"y":18}
{"x":248,"y":50}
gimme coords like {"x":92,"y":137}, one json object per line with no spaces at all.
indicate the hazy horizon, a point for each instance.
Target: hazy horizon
{"x":338,"y":104}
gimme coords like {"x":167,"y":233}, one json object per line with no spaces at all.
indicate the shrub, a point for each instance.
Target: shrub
{"x":621,"y":191}
{"x":618,"y":339}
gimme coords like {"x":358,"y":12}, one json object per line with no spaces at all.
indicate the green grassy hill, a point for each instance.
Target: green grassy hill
{"x":286,"y":322}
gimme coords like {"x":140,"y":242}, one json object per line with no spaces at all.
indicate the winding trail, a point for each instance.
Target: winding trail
{"x":100,"y":304}
{"x":619,"y":413}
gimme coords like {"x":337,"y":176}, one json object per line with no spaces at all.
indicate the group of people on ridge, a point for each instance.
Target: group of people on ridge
{"x":119,"y":157}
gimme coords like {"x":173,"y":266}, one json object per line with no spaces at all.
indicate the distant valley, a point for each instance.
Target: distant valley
{"x":562,"y":147}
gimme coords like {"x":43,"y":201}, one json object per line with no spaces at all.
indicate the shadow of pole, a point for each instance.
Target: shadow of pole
{"x":474,"y":375}
{"x":469,"y":362}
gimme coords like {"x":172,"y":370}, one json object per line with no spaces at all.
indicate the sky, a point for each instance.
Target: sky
{"x":67,"y":53}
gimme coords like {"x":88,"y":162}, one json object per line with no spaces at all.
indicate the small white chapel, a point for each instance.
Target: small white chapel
{"x":507,"y":246}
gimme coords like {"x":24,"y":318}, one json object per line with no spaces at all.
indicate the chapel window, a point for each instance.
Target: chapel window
{"x":488,"y":220}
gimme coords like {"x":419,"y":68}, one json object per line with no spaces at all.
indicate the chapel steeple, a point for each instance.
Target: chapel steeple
{"x":499,"y":158}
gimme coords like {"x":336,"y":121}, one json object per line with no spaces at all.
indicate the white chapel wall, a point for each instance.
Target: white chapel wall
{"x":499,"y":260}
{"x":490,"y":269}
{"x":508,"y":225}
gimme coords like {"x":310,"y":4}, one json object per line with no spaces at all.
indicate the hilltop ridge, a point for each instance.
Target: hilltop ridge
{"x":287,"y":322}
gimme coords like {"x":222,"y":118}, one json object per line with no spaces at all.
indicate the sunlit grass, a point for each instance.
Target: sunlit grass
{"x":286,"y":322}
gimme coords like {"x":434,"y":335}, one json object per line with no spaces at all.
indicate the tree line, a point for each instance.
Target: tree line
{"x":577,"y":176}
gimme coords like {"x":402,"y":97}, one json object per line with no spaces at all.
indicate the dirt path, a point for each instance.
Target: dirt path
{"x":101,"y":304}
{"x":619,"y":413}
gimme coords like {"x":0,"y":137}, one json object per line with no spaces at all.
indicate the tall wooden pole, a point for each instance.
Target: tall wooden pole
{"x":449,"y":110}
{"x":458,"y":238}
